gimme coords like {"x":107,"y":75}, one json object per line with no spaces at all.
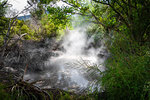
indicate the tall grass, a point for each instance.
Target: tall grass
{"x":3,"y":94}
{"x":127,"y":75}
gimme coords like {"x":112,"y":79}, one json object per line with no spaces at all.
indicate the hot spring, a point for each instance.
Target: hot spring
{"x":71,"y":66}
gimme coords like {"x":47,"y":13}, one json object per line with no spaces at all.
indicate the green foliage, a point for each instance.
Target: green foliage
{"x":26,"y":91}
{"x":3,"y":94}
{"x":127,"y":75}
{"x":48,"y":28}
{"x":3,"y":23}
{"x":20,"y":28}
{"x":37,"y":13}
{"x":3,"y":20}
{"x":3,"y":28}
{"x":126,"y":17}
{"x":132,"y":15}
{"x":127,"y":70}
{"x":41,"y":7}
{"x":59,"y":15}
{"x":125,"y":22}
{"x":41,"y":1}
{"x":56,"y":20}
{"x":3,"y":7}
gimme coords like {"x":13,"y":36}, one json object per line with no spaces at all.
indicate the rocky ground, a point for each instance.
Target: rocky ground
{"x":27,"y":55}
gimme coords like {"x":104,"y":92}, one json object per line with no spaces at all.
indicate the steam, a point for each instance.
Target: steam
{"x":76,"y":45}
{"x":77,"y":56}
{"x":68,"y":68}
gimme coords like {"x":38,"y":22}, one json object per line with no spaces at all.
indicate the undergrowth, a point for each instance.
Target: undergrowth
{"x":127,"y":75}
{"x":26,"y":91}
{"x":3,"y":94}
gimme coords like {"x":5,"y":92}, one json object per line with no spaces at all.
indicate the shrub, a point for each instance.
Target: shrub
{"x":127,"y":74}
{"x":3,"y":94}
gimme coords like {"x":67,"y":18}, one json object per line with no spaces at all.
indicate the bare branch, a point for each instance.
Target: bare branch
{"x":7,"y":35}
{"x":70,"y":4}
{"x":19,"y":38}
{"x":101,"y":2}
{"x":11,"y":23}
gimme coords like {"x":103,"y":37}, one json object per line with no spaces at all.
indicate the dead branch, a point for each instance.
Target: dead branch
{"x":11,"y":23}
{"x":19,"y":38}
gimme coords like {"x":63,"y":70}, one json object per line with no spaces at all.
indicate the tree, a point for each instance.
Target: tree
{"x":3,"y":20}
{"x":134,"y":15}
{"x":124,"y":16}
{"x":6,"y":34}
{"x":127,"y":69}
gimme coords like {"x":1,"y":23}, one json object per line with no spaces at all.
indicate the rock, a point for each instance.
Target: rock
{"x":8,"y":69}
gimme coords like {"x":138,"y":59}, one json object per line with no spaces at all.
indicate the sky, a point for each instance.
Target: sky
{"x":19,"y":5}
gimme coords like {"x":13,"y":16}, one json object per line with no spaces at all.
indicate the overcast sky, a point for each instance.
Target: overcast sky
{"x":18,"y":4}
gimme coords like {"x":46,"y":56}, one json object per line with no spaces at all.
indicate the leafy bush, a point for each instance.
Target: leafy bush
{"x":127,"y":74}
{"x":3,"y":28}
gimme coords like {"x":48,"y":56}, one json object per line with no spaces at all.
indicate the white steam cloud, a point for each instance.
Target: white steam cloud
{"x":76,"y":57}
{"x":67,"y":69}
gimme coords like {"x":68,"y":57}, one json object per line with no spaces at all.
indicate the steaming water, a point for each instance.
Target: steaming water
{"x":69,"y":70}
